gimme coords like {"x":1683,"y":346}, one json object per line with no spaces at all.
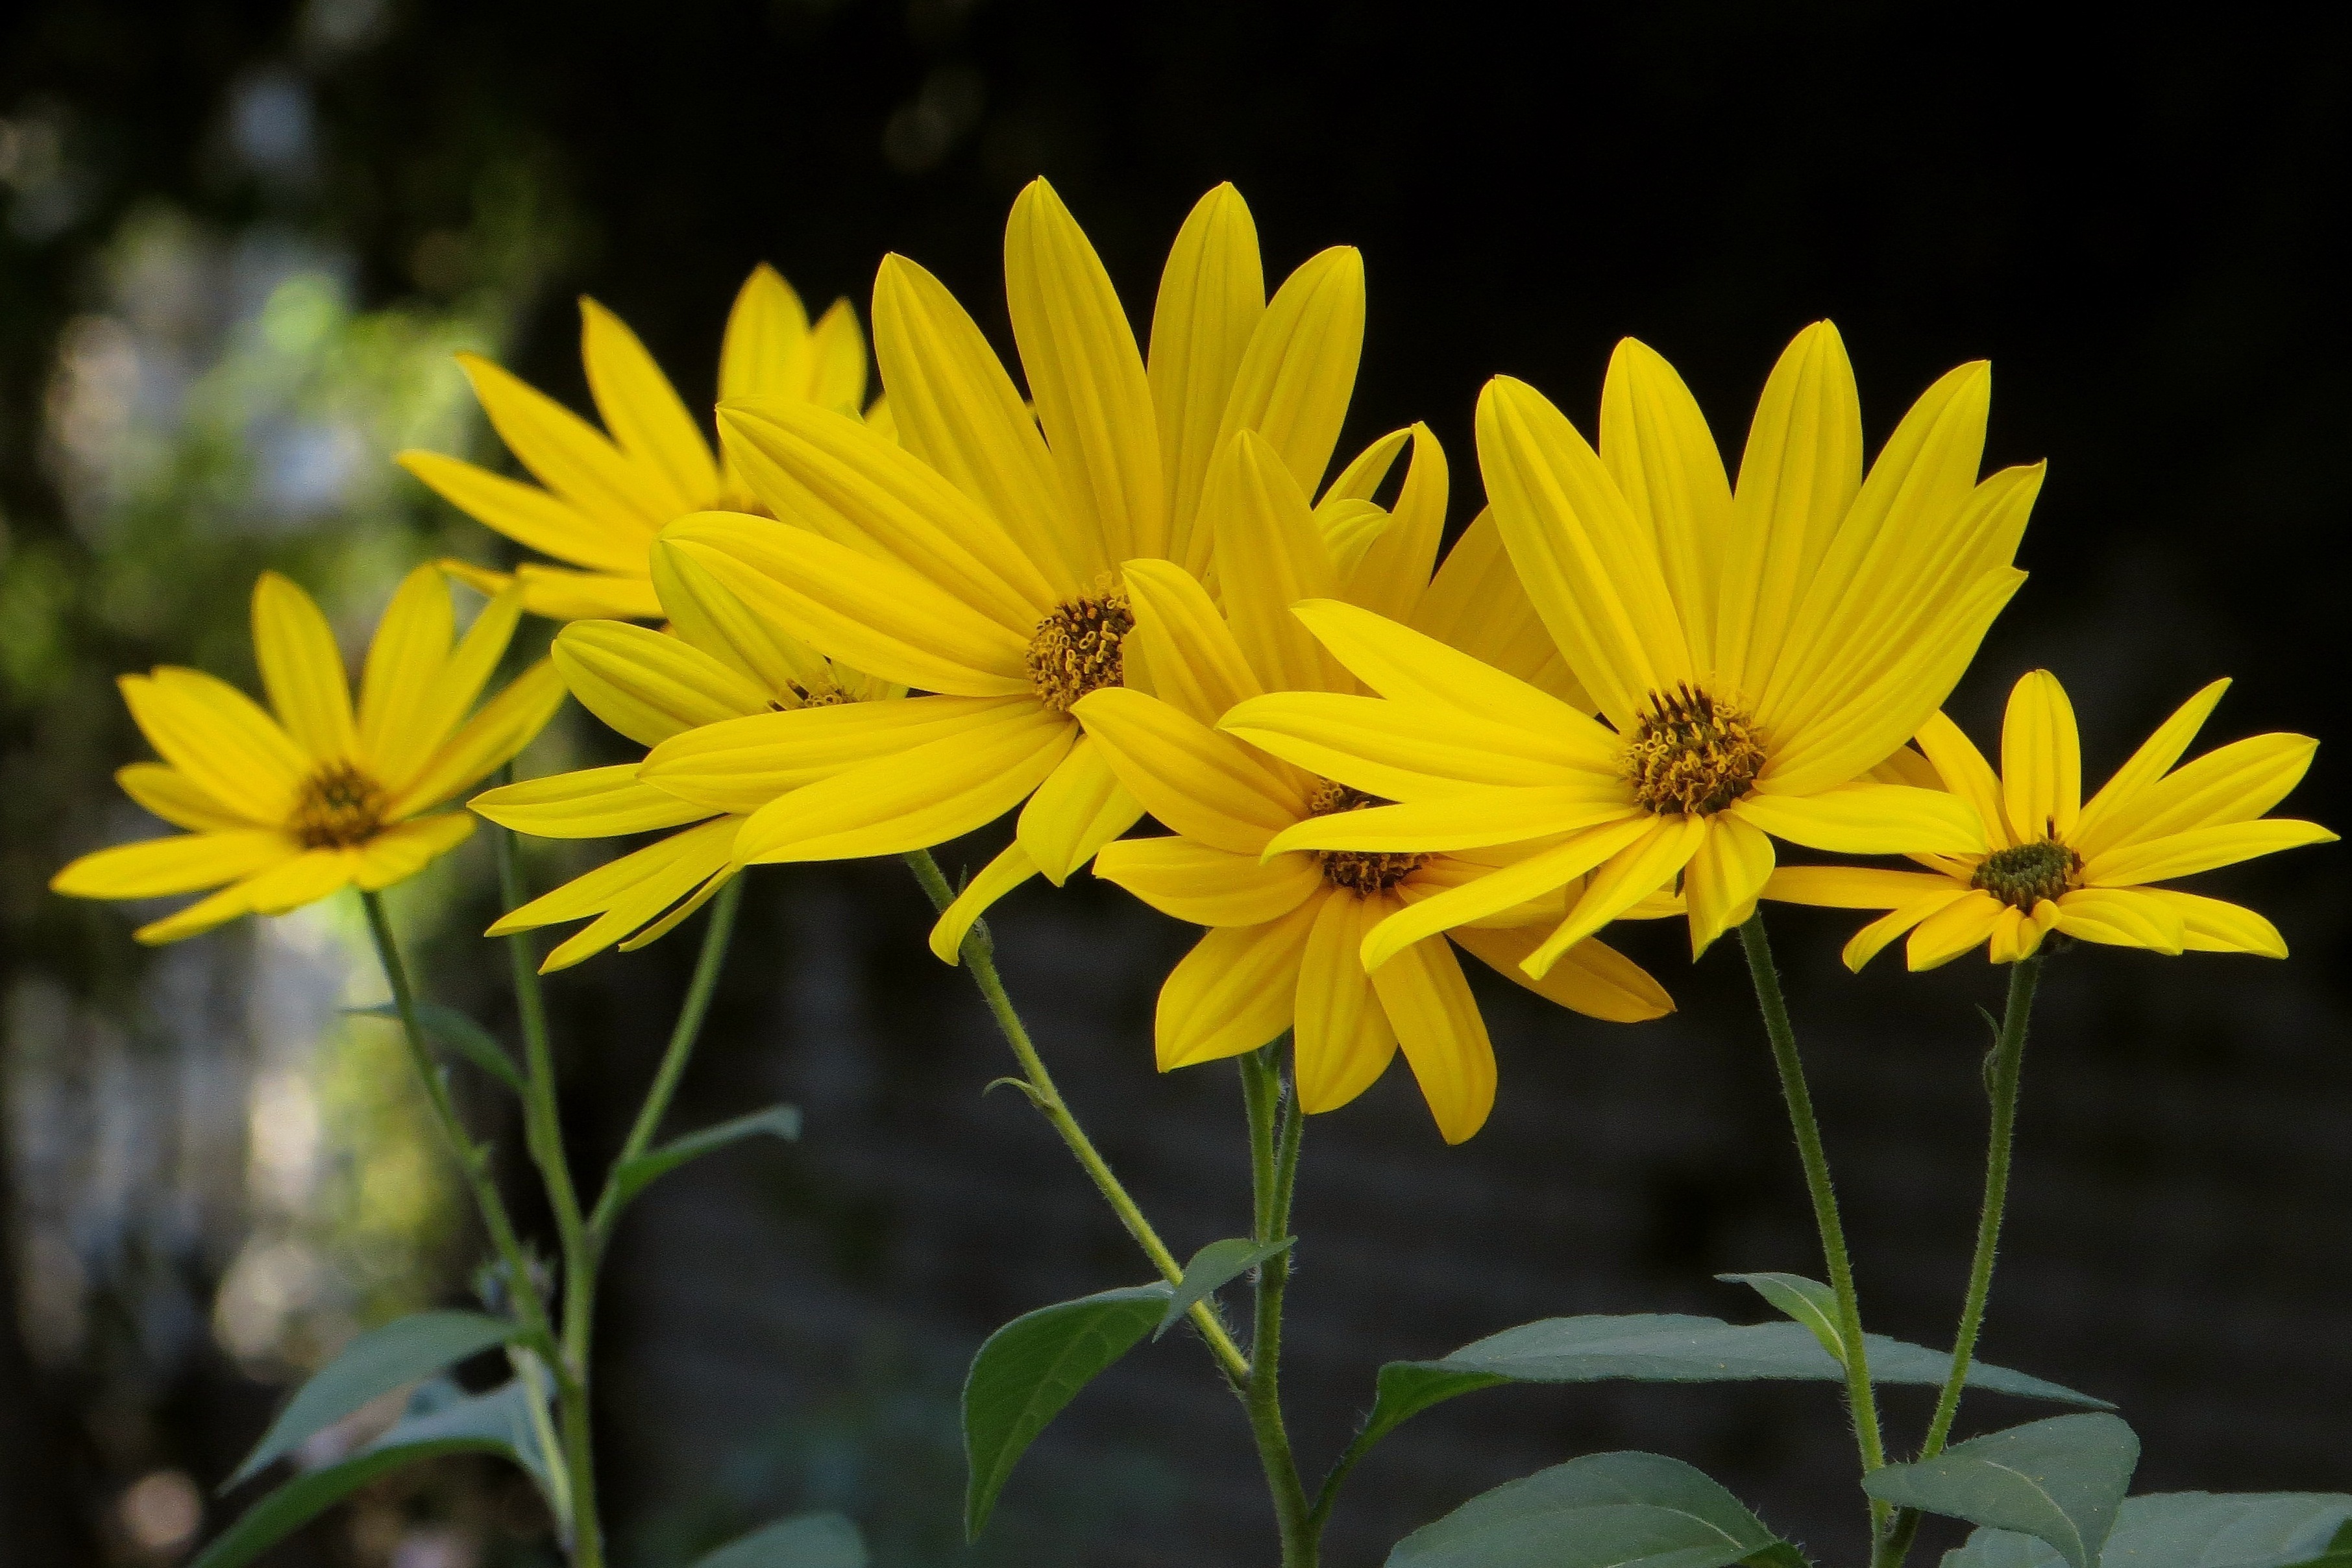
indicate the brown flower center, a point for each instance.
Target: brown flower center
{"x":339,"y":808}
{"x":1077,"y":649}
{"x":1359,"y":871}
{"x":2025,"y":874}
{"x":1691,"y":755}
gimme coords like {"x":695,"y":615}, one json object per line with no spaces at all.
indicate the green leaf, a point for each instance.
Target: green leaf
{"x":1807,"y":1301}
{"x":441,"y":1421}
{"x":1032,"y":1367}
{"x":371,"y":1366}
{"x":633,"y":1176}
{"x":457,"y":1032}
{"x":804,"y":1540}
{"x":1213,"y":1266}
{"x":1406,"y":1388}
{"x":2059,"y":1480}
{"x":2193,"y":1530}
{"x":1605,"y":1511}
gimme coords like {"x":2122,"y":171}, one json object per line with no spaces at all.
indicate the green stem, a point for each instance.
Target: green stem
{"x":1276,"y":1172}
{"x":2008,"y":1067}
{"x":978,"y":960}
{"x":1862,"y":1398}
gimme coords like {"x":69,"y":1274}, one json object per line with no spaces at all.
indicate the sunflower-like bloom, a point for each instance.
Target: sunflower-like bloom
{"x":289,"y":809}
{"x":1755,"y":653}
{"x":979,"y":558}
{"x":606,"y":497}
{"x":1281,"y":953}
{"x":716,"y":664}
{"x":2057,"y":863}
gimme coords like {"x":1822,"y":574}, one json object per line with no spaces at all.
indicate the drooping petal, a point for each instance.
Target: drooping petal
{"x":402,"y":850}
{"x":2040,"y":761}
{"x":1445,"y":1040}
{"x":1269,"y":555}
{"x":1234,"y":992}
{"x":1467,"y":821}
{"x":1872,"y":940}
{"x":1204,"y":785}
{"x":1212,"y":295}
{"x":491,"y":738}
{"x":2097,"y":828}
{"x":1538,"y":874}
{"x":1591,"y":978}
{"x":570,"y":456}
{"x":1205,"y":885}
{"x":1342,"y":1040}
{"x":218,"y":739}
{"x":743,"y":763}
{"x":647,"y":418}
{"x":1299,"y":371}
{"x":533,"y":517}
{"x":1868,"y":819}
{"x":301,"y":668}
{"x":2212,"y":925}
{"x":2198,"y":849}
{"x":1966,"y":774}
{"x":2121,"y":917}
{"x":1181,"y":645}
{"x":170,"y":795}
{"x":593,"y":803}
{"x":648,"y":686}
{"x":1633,"y":873}
{"x":1081,"y":807}
{"x":182,"y":863}
{"x":680,"y":867}
{"x":1656,"y":446}
{"x":596,"y":892}
{"x":1723,"y":879}
{"x":1010,"y":868}
{"x":304,"y":878}
{"x":1965,"y":923}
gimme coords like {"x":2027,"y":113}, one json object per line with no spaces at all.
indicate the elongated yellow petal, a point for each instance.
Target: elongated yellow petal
{"x":1086,"y":376}
{"x":765,"y":332}
{"x":533,"y":517}
{"x":1633,"y":873}
{"x":1873,"y":939}
{"x":1854,"y":886}
{"x":403,"y":671}
{"x":704,"y":613}
{"x":682,"y":910}
{"x":1365,"y":472}
{"x":1211,"y":294}
{"x":304,"y":878}
{"x":1342,"y":1039}
{"x":1591,"y":978}
{"x":1468,"y":821}
{"x":956,"y":410}
{"x":1436,"y":1021}
{"x":2101,"y":823}
{"x":743,"y":764}
{"x":2199,"y":849}
{"x":2211,"y":925}
{"x":491,"y":738}
{"x":1798,"y":477}
{"x":594,"y":803}
{"x":1460,"y":867}
{"x":2235,"y":783}
{"x":1299,"y":371}
{"x":1965,"y":922}
{"x":402,"y":850}
{"x":1410,"y":749}
{"x":1349,"y":528}
{"x":1393,"y":575}
{"x":1081,"y":807}
{"x":596,"y":892}
{"x":562,"y":596}
{"x":1966,"y":774}
{"x":648,"y":686}
{"x":1723,"y":879}
{"x":1205,"y":785}
{"x":2123,"y":917}
{"x":1008,"y":870}
{"x":1233,"y":991}
{"x":1538,"y":874}
{"x":170,"y":795}
{"x":1269,"y":556}
{"x":218,"y":739}
{"x":1591,"y":567}
{"x":1182,"y":645}
{"x":1475,"y":605}
{"x":687,"y":867}
{"x":182,"y":863}
{"x":1869,"y":819}
{"x":1656,"y":446}
{"x":301,"y":668}
{"x":457,"y":686}
{"x":927,"y":797}
{"x":876,"y":614}
{"x":835,"y":359}
{"x":2040,"y":761}
{"x":570,"y":456}
{"x":647,"y":418}
{"x":1205,"y":885}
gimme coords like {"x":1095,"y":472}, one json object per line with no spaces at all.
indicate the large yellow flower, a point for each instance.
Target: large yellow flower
{"x":1281,"y":953}
{"x":1754,"y":652}
{"x":606,"y":497}
{"x":2057,"y":863}
{"x":287,"y":810}
{"x":977,"y":560}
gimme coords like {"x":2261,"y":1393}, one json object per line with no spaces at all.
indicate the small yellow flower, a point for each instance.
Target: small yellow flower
{"x":606,"y":497}
{"x":2059,"y":864}
{"x":1755,"y":652}
{"x":1282,"y":949}
{"x":287,"y":810}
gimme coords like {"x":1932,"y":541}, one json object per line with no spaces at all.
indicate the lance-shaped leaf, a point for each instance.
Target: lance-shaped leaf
{"x":1605,"y":1511}
{"x":1032,"y":1367}
{"x":452,"y":1031}
{"x":804,"y":1540}
{"x":633,"y":1176}
{"x":2193,"y":1530}
{"x":1212,"y":1267}
{"x":2059,"y":1480}
{"x":1806,"y":1301}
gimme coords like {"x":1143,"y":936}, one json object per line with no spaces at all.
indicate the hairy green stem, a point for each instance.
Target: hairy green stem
{"x":1862,"y":1398}
{"x":1274,"y":1170}
{"x":980,"y":961}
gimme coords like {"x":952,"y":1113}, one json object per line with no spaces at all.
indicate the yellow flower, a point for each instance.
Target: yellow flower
{"x":1281,"y":953}
{"x":717,"y":673}
{"x":978,"y":559}
{"x":2058,"y":864}
{"x":287,"y":810}
{"x":606,"y":497}
{"x":1754,"y":652}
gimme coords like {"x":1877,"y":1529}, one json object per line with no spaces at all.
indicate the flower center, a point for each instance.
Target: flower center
{"x":1359,"y":871}
{"x":812,"y":697}
{"x":339,"y":808}
{"x":1077,"y":648}
{"x":1691,"y":755}
{"x":2024,"y":875}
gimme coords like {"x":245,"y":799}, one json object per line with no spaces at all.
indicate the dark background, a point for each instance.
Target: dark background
{"x":2139,"y":222}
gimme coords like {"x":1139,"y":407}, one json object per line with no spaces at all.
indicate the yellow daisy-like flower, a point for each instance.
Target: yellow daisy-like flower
{"x":717,"y":665}
{"x":1281,"y":953}
{"x":1754,"y":652}
{"x":2057,"y":863}
{"x":606,"y":497}
{"x":978,"y":559}
{"x":289,"y":809}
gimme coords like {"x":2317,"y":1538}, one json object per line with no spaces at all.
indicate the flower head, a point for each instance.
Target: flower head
{"x":2056,"y":863}
{"x":605,"y":497}
{"x":288,"y":809}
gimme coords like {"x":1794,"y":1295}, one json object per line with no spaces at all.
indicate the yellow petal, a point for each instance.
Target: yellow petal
{"x":569,"y":455}
{"x":1872,"y":940}
{"x":491,"y":738}
{"x":218,"y":739}
{"x":1538,"y":874}
{"x":1269,"y":556}
{"x":182,"y":863}
{"x":1477,"y":605}
{"x":531,"y":517}
{"x":2210,"y":925}
{"x":596,"y":892}
{"x":926,"y":796}
{"x":1349,"y":528}
{"x":1468,"y":821}
{"x":398,"y":691}
{"x":1211,"y":294}
{"x":2199,"y":849}
{"x":1087,"y":378}
{"x":1656,"y":446}
{"x":402,"y":850}
{"x":686,"y":867}
{"x":1903,"y":765}
{"x":835,"y":360}
{"x":1591,"y":978}
{"x":1181,"y":645}
{"x":743,"y":764}
{"x":173,"y":796}
{"x":2235,"y":783}
{"x":765,"y":332}
{"x":1632,"y":874}
{"x":704,"y":613}
{"x":648,"y":686}
{"x":644,"y":411}
{"x":1410,"y":749}
{"x":1342,"y":1039}
{"x":481,"y":579}
{"x":457,"y":687}
{"x":2099,"y":825}
{"x":1079,"y":808}
{"x":2040,"y":761}
{"x":1723,"y":879}
{"x":1965,"y":922}
{"x":562,"y":595}
{"x":682,"y":910}
{"x":594,"y":803}
{"x":301,"y":668}
{"x":1966,"y":774}
{"x":1436,"y":1022}
{"x":304,"y":878}
{"x":1591,"y":567}
{"x":1203,"y":784}
{"x":2121,"y":917}
{"x":1394,"y":573}
{"x":1299,"y":370}
{"x":1011,"y":868}
{"x":1869,"y":819}
{"x":1205,"y":885}
{"x":1365,"y":473}
{"x":1854,"y":886}
{"x":1233,"y":991}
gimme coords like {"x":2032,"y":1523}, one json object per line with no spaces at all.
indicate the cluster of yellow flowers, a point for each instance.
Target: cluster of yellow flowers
{"x":1136,"y":591}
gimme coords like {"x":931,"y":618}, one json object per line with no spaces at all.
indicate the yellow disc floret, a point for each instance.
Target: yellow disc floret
{"x":339,"y":808}
{"x":1692,"y":754}
{"x":1359,"y":871}
{"x":2025,"y":874}
{"x":1077,"y":649}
